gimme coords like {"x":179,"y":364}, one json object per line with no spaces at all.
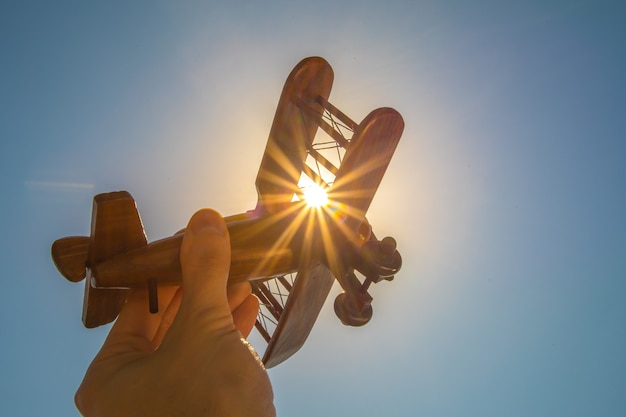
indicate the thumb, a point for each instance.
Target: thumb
{"x":205,"y":263}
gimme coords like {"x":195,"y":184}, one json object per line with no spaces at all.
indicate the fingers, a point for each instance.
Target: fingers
{"x":134,"y":329}
{"x":237,"y":293}
{"x":244,"y":307}
{"x":168,"y":318}
{"x":205,"y":260}
{"x":205,"y":301}
{"x":205,"y":263}
{"x":244,"y":316}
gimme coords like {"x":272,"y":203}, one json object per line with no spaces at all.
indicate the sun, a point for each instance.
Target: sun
{"x":315,"y":196}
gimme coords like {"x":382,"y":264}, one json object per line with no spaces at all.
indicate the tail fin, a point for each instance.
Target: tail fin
{"x":115,"y":228}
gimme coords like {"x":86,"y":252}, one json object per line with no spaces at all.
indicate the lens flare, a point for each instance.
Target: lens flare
{"x":315,"y":196}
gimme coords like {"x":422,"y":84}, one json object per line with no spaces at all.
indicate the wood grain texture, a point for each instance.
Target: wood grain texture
{"x":115,"y":228}
{"x":278,"y":237}
{"x":291,"y":132}
{"x":365,"y":163}
{"x":69,"y":255}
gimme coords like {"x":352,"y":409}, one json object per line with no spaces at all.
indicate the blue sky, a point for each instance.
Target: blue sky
{"x":507,"y":193}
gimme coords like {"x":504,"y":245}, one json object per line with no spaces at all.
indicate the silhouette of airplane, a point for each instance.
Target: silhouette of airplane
{"x":308,"y":227}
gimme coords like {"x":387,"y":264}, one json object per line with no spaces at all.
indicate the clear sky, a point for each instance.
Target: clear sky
{"x":507,"y":194}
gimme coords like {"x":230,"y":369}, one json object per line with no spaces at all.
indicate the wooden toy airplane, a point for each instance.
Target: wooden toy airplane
{"x":287,"y":234}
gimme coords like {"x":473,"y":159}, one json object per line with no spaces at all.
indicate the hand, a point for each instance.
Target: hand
{"x":189,"y":359}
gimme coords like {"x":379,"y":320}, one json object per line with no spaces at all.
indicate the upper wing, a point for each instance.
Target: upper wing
{"x":350,"y":165}
{"x":364,"y":164}
{"x":292,"y":133}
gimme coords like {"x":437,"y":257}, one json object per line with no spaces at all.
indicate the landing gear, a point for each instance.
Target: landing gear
{"x":349,"y":313}
{"x":378,"y":260}
{"x":390,"y":260}
{"x":375,"y":260}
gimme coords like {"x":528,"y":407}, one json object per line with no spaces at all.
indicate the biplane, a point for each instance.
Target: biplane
{"x":307,"y":229}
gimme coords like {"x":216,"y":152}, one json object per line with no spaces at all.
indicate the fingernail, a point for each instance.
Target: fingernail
{"x":207,"y":221}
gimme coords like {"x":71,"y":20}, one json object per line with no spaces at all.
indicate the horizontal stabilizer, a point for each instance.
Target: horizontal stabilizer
{"x":70,"y":256}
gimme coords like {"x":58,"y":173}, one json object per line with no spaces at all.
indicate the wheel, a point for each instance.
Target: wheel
{"x":390,"y":265}
{"x":388,"y":245}
{"x":348,"y":313}
{"x":379,"y":259}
